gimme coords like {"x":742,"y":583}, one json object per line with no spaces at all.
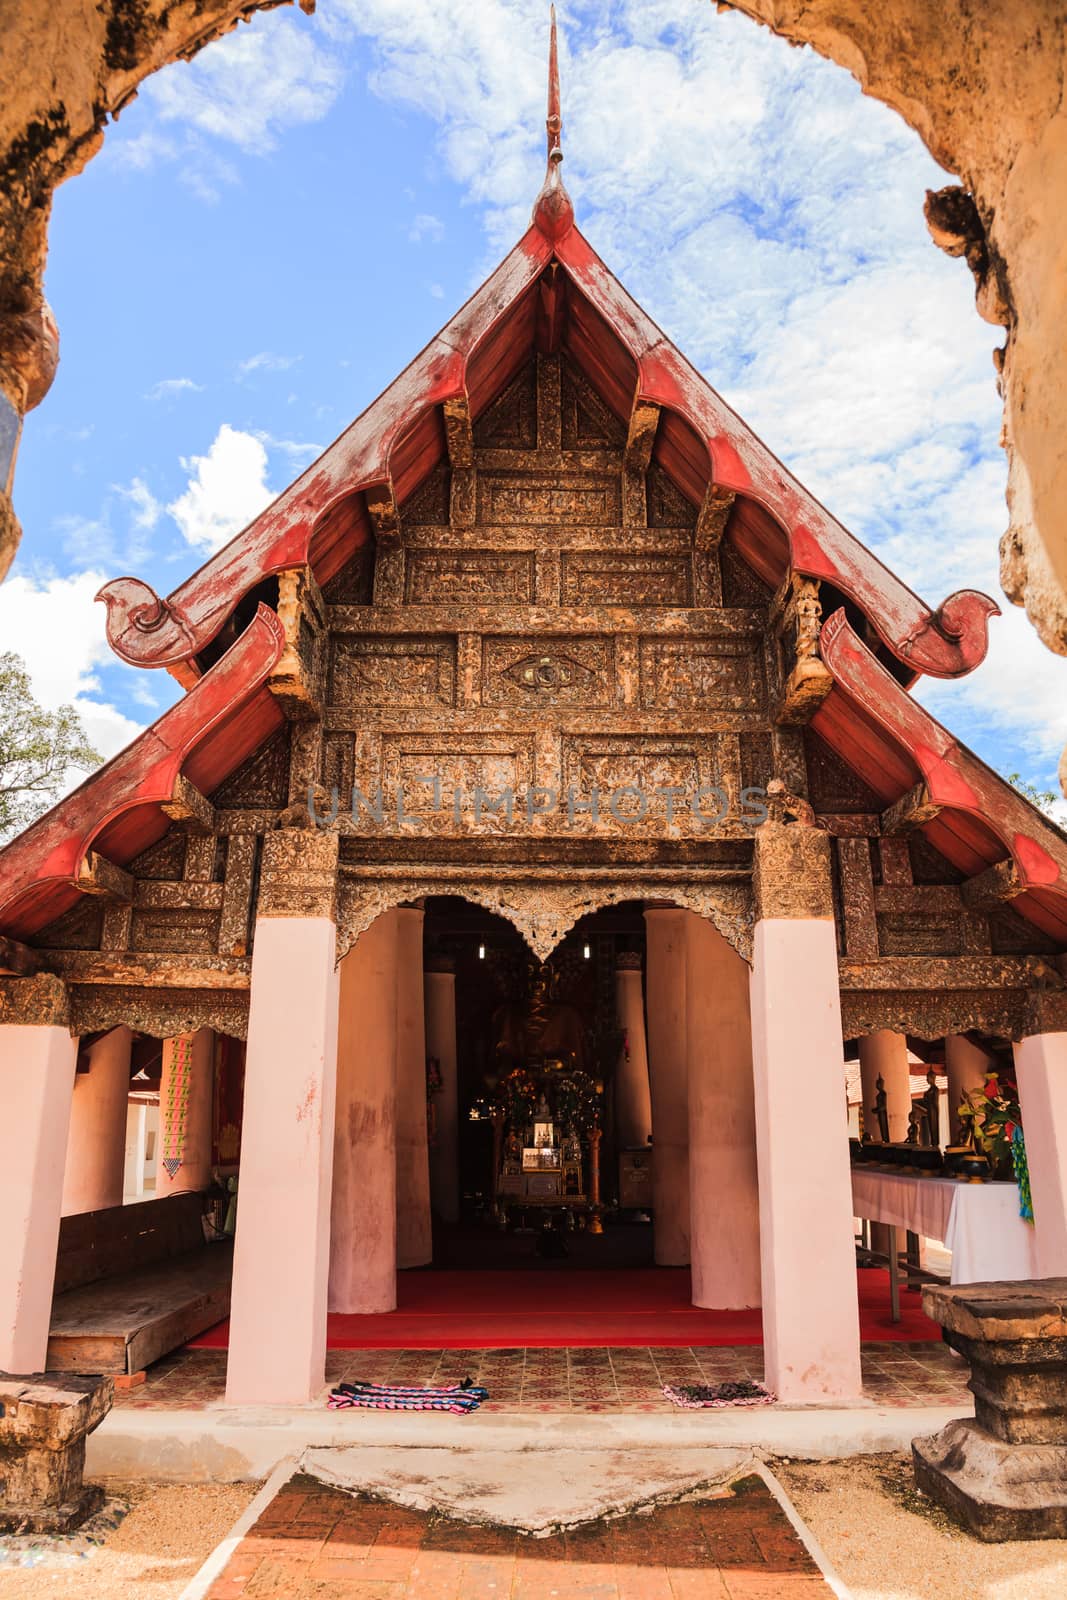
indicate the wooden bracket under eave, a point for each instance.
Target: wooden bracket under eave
{"x":796,"y":617}
{"x":18,"y":960}
{"x":297,"y":682}
{"x":459,"y":437}
{"x":996,"y":885}
{"x":911,"y":811}
{"x":99,"y":876}
{"x":383,"y":510}
{"x":189,"y":807}
{"x":713,"y":516}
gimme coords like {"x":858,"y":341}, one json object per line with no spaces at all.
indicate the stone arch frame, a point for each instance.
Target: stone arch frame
{"x":543,"y":909}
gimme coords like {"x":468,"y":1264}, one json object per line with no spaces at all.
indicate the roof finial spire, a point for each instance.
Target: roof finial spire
{"x":554,"y":122}
{"x":553,"y":212}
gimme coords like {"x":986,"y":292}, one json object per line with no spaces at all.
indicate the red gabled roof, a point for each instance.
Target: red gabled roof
{"x":551,"y":293}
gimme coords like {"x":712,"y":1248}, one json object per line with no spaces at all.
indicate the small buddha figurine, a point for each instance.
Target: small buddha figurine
{"x":931,"y":1105}
{"x":916,"y":1120}
{"x":881,"y":1109}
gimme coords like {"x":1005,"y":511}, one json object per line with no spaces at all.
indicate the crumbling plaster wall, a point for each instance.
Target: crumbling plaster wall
{"x":65,"y":68}
{"x":981,"y":81}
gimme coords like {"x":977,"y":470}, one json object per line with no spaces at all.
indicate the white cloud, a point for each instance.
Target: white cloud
{"x":436,"y":291}
{"x":52,"y":623}
{"x":266,"y":361}
{"x":146,"y":510}
{"x":250,"y":86}
{"x":227,"y":487}
{"x":167,"y":387}
{"x":426,"y":226}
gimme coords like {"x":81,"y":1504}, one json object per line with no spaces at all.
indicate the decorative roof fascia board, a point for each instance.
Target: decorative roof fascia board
{"x":955,"y":778}
{"x":53,"y":848}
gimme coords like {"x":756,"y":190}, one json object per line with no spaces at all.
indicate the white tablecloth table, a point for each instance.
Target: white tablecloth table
{"x":978,"y":1222}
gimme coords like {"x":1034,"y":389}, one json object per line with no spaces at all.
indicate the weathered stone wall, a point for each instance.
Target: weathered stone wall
{"x":983,"y":86}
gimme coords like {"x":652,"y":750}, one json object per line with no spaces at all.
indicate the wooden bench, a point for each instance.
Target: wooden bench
{"x":133,"y":1283}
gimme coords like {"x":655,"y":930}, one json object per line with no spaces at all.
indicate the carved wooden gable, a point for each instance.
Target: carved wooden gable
{"x":547,"y":620}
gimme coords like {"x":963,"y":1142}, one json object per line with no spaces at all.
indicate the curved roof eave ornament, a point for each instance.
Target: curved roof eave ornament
{"x":954,"y":777}
{"x":53,"y":849}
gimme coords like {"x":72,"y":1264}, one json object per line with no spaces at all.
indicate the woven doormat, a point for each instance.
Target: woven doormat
{"x":697,"y":1396}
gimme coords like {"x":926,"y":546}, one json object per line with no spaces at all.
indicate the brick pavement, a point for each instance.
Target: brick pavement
{"x":318,"y":1543}
{"x":537,"y":1380}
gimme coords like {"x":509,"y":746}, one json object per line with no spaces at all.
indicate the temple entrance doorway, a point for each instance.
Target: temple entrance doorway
{"x":539,"y":1113}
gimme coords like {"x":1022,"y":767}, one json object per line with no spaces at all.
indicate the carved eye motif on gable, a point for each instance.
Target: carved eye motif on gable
{"x":548,"y":674}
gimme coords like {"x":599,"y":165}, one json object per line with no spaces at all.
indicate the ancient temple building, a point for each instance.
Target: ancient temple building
{"x":546,"y":739}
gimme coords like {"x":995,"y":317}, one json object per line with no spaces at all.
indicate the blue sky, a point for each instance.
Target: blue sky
{"x":272,"y":231}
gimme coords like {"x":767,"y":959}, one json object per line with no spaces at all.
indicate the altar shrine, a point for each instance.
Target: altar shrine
{"x":545,"y":819}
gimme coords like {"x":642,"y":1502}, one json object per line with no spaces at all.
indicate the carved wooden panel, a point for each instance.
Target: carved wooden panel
{"x":603,"y":578}
{"x":185,"y":932}
{"x":353,"y":585}
{"x":429,"y":505}
{"x":468,"y":577}
{"x":832,"y":785}
{"x":543,"y":672}
{"x":164,"y":859}
{"x":667,"y":506}
{"x":509,"y":499}
{"x":693,"y":672}
{"x":919,"y":933}
{"x":586,"y":422}
{"x":608,"y":762}
{"x":263,"y":780}
{"x":77,"y":929}
{"x":740,"y":585}
{"x":510,"y":422}
{"x":461,"y":761}
{"x":379,"y":670}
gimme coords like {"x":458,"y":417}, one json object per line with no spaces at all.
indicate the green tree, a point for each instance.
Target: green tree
{"x":1045,"y":800}
{"x":38,"y":748}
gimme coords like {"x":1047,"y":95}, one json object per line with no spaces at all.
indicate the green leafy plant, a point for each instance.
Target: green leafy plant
{"x":38,"y":749}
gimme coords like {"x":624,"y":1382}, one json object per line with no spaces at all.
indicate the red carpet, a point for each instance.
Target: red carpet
{"x":553,"y":1307}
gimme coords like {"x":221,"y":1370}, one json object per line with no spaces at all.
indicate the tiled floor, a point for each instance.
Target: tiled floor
{"x":567,"y":1380}
{"x":317,"y":1542}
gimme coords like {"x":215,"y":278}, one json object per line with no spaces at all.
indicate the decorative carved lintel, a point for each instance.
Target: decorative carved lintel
{"x":1045,"y":1012}
{"x":713,"y":516}
{"x":163,"y":1013}
{"x":910,"y":811}
{"x":189,"y":807}
{"x":997,"y":884}
{"x":297,"y":680}
{"x":97,"y":875}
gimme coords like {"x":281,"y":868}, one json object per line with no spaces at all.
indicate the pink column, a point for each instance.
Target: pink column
{"x":724,"y":1198}
{"x":811,"y":1333}
{"x":96,"y":1144}
{"x":282,"y":1252}
{"x":414,"y":1237}
{"x":633,"y":1100}
{"x":37,"y":1071}
{"x":966,"y":1064}
{"x":884,"y":1054}
{"x":363,"y":1215}
{"x":1041,"y":1073}
{"x":665,"y":980}
{"x":186,"y":1100}
{"x":440,"y":993}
